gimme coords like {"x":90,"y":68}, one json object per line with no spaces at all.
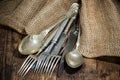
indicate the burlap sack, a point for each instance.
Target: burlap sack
{"x":99,"y":20}
{"x":32,"y":16}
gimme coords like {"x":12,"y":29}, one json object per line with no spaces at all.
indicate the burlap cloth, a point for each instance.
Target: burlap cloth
{"x":99,"y":21}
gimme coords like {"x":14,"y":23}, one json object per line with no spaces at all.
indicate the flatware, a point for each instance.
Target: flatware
{"x":71,"y":12}
{"x":46,"y":45}
{"x":32,"y":59}
{"x":44,"y":54}
{"x":32,"y":43}
{"x":74,"y":58}
{"x":53,"y":58}
{"x":69,"y":46}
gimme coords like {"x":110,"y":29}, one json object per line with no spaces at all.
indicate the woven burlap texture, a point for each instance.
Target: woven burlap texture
{"x":32,"y":16}
{"x":99,"y":21}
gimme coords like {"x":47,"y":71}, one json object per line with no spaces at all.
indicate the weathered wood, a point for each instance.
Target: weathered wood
{"x":109,"y":69}
{"x":103,"y":68}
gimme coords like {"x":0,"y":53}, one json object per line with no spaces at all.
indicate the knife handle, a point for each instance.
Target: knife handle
{"x":60,"y":30}
{"x":60,"y":68}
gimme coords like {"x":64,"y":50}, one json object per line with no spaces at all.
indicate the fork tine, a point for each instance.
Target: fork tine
{"x":29,"y":67}
{"x":50,"y":62}
{"x":43,"y":64}
{"x":51,"y":65}
{"x":38,"y":63}
{"x":46,"y":63}
{"x":23,"y":64}
{"x":26,"y":66}
{"x":54,"y":65}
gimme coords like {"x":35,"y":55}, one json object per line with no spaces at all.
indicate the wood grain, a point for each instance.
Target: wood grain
{"x":103,"y":68}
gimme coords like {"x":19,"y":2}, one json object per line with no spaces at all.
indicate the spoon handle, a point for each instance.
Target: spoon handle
{"x":78,"y":39}
{"x":54,"y":25}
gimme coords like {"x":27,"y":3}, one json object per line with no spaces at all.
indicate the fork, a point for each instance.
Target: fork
{"x":32,"y":59}
{"x":53,"y":58}
{"x":48,"y":50}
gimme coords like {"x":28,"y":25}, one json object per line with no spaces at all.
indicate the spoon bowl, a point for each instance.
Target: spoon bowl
{"x":74,"y":59}
{"x":30,"y":44}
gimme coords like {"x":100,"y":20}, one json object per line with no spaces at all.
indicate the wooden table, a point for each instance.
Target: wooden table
{"x":103,"y":68}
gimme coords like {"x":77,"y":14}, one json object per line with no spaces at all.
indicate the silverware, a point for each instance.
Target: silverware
{"x":74,"y":58}
{"x":44,"y":59}
{"x":32,"y":43}
{"x":69,"y":46}
{"x":53,"y":58}
{"x":31,"y":59}
{"x":72,"y":11}
{"x":43,"y":56}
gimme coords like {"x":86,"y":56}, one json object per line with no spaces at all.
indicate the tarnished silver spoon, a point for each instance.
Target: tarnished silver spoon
{"x":32,"y":43}
{"x":74,"y":58}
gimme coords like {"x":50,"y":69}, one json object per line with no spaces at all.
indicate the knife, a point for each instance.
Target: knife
{"x":63,"y":37}
{"x":69,"y":46}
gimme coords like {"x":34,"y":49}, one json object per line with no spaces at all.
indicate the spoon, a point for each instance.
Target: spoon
{"x":32,"y":43}
{"x":74,"y":58}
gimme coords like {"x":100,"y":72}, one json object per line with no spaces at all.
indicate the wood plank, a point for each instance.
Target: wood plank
{"x":90,"y":69}
{"x":3,"y":39}
{"x":109,"y":68}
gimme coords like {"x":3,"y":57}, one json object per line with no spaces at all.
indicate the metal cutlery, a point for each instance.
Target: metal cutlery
{"x":48,"y":50}
{"x":32,"y":43}
{"x":31,"y":59}
{"x":44,"y":62}
{"x":68,"y":47}
{"x":53,"y":58}
{"x":74,"y":58}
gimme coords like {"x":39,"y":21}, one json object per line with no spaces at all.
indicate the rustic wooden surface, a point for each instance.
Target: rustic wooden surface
{"x":103,"y":68}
